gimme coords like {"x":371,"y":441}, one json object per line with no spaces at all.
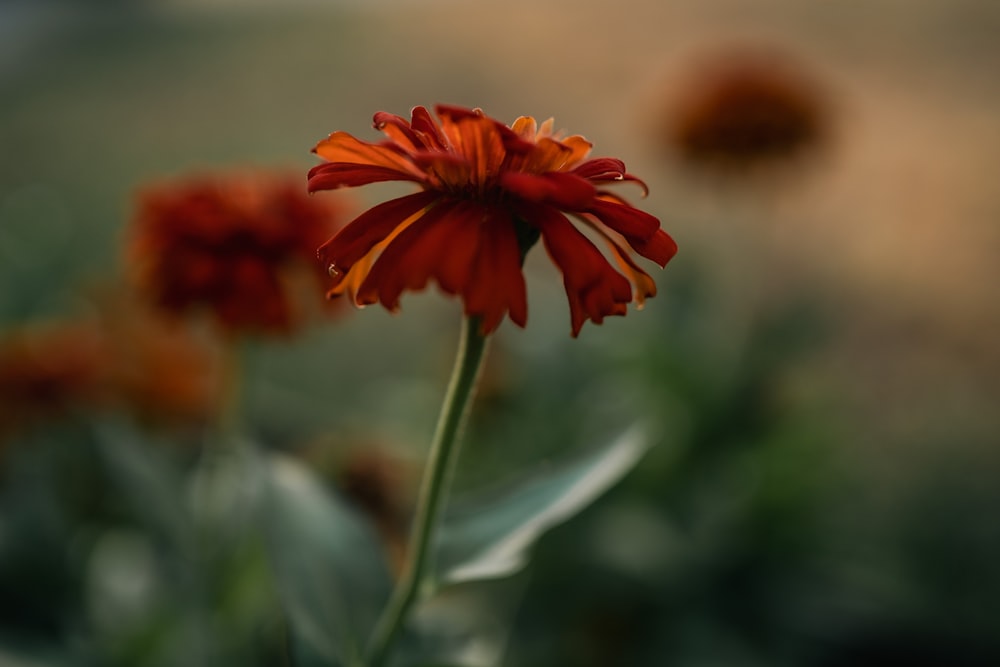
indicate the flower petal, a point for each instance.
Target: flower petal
{"x":562,"y":190}
{"x":396,"y":128}
{"x":546,"y":155}
{"x":496,"y":284}
{"x":595,"y":290}
{"x":660,"y":248}
{"x":579,"y":149}
{"x":645,"y":287}
{"x":608,"y":169}
{"x":635,"y":225}
{"x":478,"y":139}
{"x":371,"y":227}
{"x":444,"y":168}
{"x":441,"y":244}
{"x":333,"y":175}
{"x":409,"y":260}
{"x":342,"y":147}
{"x":525,"y":127}
{"x":424,"y":126}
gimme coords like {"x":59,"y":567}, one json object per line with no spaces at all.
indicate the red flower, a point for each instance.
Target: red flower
{"x":488,"y":192}
{"x":233,"y":244}
{"x":746,"y":109}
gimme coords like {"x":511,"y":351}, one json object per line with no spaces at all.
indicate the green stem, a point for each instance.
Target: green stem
{"x":444,"y":450}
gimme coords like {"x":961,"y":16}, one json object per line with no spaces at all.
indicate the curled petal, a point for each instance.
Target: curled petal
{"x":424,"y":126}
{"x":607,"y":169}
{"x":396,"y":128}
{"x":601,"y":169}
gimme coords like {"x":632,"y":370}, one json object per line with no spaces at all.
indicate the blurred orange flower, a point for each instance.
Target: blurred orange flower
{"x":48,"y":371}
{"x":129,"y":358}
{"x":488,"y":192}
{"x":237,"y":245}
{"x":746,"y":109}
{"x":163,"y":372}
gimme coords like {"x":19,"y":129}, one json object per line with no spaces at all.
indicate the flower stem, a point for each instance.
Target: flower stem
{"x":444,"y":450}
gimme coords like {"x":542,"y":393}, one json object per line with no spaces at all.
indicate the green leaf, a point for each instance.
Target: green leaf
{"x":32,"y":657}
{"x":138,"y":467}
{"x":490,"y":538}
{"x":328,"y":564}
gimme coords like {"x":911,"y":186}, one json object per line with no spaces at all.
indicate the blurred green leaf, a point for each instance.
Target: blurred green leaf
{"x":138,"y":467}
{"x":329,"y":565}
{"x":34,"y":657}
{"x":489,"y":538}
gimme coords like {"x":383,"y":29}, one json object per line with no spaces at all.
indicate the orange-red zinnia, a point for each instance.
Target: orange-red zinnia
{"x":488,"y":191}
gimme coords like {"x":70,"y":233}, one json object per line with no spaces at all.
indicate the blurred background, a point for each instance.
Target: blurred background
{"x":820,"y":365}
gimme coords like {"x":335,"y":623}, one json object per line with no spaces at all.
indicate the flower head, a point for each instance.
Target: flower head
{"x":48,"y":371}
{"x":130,"y":359}
{"x":236,"y":245}
{"x":487,"y":193}
{"x":746,"y":110}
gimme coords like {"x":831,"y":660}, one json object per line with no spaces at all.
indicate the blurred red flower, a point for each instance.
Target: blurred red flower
{"x":488,"y":192}
{"x":745,"y":109}
{"x":237,"y":245}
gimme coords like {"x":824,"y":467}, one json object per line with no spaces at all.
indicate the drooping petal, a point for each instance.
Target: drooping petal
{"x":645,"y":288}
{"x":371,"y":227}
{"x":409,"y":260}
{"x":333,"y":175}
{"x":659,"y":248}
{"x":562,"y":190}
{"x":635,"y":225}
{"x":496,"y":284}
{"x":442,"y":245}
{"x":595,"y":290}
{"x":462,"y":233}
